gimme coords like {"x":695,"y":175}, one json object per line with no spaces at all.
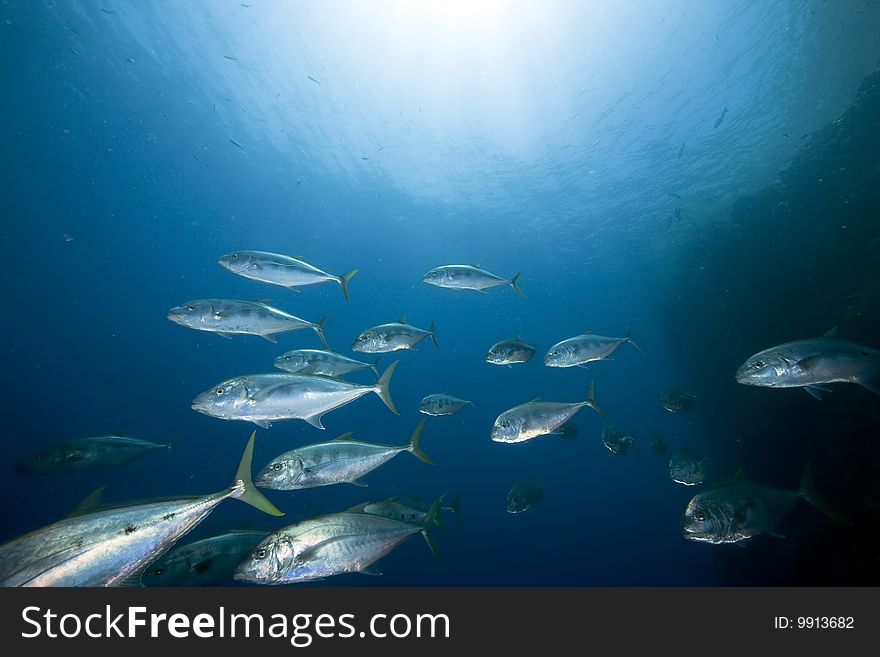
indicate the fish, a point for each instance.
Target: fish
{"x":81,"y":454}
{"x":524,"y":496}
{"x":321,"y":362}
{"x":583,"y":349}
{"x":339,"y":461}
{"x":329,"y":545}
{"x":207,"y":562}
{"x":313,"y":79}
{"x":392,"y":337}
{"x":687,"y":467}
{"x":509,"y":352}
{"x":538,"y":418}
{"x":720,"y":118}
{"x":276,"y":269}
{"x":568,"y":431}
{"x":676,"y":401}
{"x":264,"y":398}
{"x":440,"y":403}
{"x":235,"y":143}
{"x":616,"y":441}
{"x":811,"y":364}
{"x":469,"y":277}
{"x":114,"y":546}
{"x":404,"y":510}
{"x":740,"y":509}
{"x":227,"y":317}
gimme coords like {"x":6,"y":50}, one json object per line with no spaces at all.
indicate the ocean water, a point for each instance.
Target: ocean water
{"x":705,"y":175}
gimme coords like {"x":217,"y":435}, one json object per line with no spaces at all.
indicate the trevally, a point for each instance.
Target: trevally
{"x":265,"y":398}
{"x":320,"y":362}
{"x":676,"y":401}
{"x":82,"y":454}
{"x":226,"y":317}
{"x":469,"y":277}
{"x":405,"y":510}
{"x":112,"y":547}
{"x":537,"y":418}
{"x":206,"y":562}
{"x":688,"y":467}
{"x":616,"y":441}
{"x":510,"y":352}
{"x":329,"y":545}
{"x":277,"y":269}
{"x":392,"y":337}
{"x":338,"y":461}
{"x":585,"y":348}
{"x":524,"y":495}
{"x":740,"y":509}
{"x":810,"y":364}
{"x":440,"y":403}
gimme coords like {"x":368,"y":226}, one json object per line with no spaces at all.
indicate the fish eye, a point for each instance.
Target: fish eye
{"x":261,"y":554}
{"x":158,"y":571}
{"x":758,"y":364}
{"x":219,"y":391}
{"x":234,"y":255}
{"x":276,"y":467}
{"x":40,"y":456}
{"x":190,"y":307}
{"x":700,"y":516}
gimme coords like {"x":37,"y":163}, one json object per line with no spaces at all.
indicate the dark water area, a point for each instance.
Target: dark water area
{"x":141,"y":142}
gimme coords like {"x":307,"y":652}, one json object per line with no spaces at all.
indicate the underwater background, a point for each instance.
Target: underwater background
{"x":706,"y":175}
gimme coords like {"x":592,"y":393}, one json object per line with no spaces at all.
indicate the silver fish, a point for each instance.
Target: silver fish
{"x":440,"y":403}
{"x":510,"y":352}
{"x":469,"y":277}
{"x":810,"y":364}
{"x":585,"y":348}
{"x":329,"y":545}
{"x":81,"y":454}
{"x":206,"y":562}
{"x":412,"y":511}
{"x":687,"y":467}
{"x":339,"y":461}
{"x":523,"y":496}
{"x":265,"y":398}
{"x":320,"y":362}
{"x":276,"y":269}
{"x":537,"y":418}
{"x":392,"y":337}
{"x":226,"y":317}
{"x":112,"y":547}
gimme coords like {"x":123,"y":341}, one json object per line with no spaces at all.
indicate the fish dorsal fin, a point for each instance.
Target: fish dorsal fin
{"x":300,"y":258}
{"x":536,"y":399}
{"x":477,"y":265}
{"x":828,"y":335}
{"x":345,"y":436}
{"x":402,"y":320}
{"x":262,"y":302}
{"x":740,"y":475}
{"x":590,"y":332}
{"x":90,"y":504}
{"x":118,"y":434}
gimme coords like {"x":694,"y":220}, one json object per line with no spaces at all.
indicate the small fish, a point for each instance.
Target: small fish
{"x":392,"y":337}
{"x":339,"y":461}
{"x":314,"y":79}
{"x":277,"y":269}
{"x":740,"y":509}
{"x":83,"y":454}
{"x":442,"y":404}
{"x":538,"y":418}
{"x":230,"y":57}
{"x":524,"y":496}
{"x":681,"y":150}
{"x":615,"y":440}
{"x":469,"y":277}
{"x":232,"y":141}
{"x":227,"y":317}
{"x":510,"y":352}
{"x":810,"y":364}
{"x":676,"y":401}
{"x":720,"y":118}
{"x":321,"y":362}
{"x":674,"y":195}
{"x":207,"y":562}
{"x":583,"y":349}
{"x":688,"y":468}
{"x":68,"y":238}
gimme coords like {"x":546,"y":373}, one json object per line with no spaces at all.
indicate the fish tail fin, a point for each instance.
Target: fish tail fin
{"x":630,"y":340}
{"x":808,"y":492}
{"x":413,"y":446}
{"x":382,"y":389}
{"x":516,"y":287}
{"x":343,"y":282}
{"x":438,"y":517}
{"x":591,"y":399}
{"x":319,"y":329}
{"x":433,"y":334}
{"x":429,"y":520}
{"x":243,"y":482}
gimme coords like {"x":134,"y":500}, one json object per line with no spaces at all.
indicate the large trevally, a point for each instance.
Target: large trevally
{"x":810,"y":364}
{"x":226,"y":317}
{"x":329,"y":545}
{"x":469,"y":277}
{"x":582,"y":349}
{"x":392,"y":337}
{"x":538,"y":418}
{"x":277,"y":269}
{"x":82,"y":454}
{"x":340,"y":461}
{"x":410,"y":510}
{"x":112,"y":547}
{"x":510,"y":352}
{"x":265,"y":398}
{"x":320,"y":362}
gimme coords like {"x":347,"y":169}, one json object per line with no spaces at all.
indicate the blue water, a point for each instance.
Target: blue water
{"x":576,"y":142}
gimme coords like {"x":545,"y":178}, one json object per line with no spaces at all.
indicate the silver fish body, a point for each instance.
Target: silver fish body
{"x":537,"y":418}
{"x":81,"y":454}
{"x":392,"y":337}
{"x":442,"y":404}
{"x":583,"y":349}
{"x":510,"y":352}
{"x":469,"y":277}
{"x":320,"y":362}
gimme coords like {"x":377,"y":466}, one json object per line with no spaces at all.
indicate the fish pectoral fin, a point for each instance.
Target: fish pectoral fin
{"x":310,"y":552}
{"x":293,"y":288}
{"x":309,"y":369}
{"x":270,"y":337}
{"x":315,"y":421}
{"x":370,"y":570}
{"x":224,"y":335}
{"x":133,"y":580}
{"x":263,"y":424}
{"x":808,"y":363}
{"x":814,"y":392}
{"x":358,"y":483}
